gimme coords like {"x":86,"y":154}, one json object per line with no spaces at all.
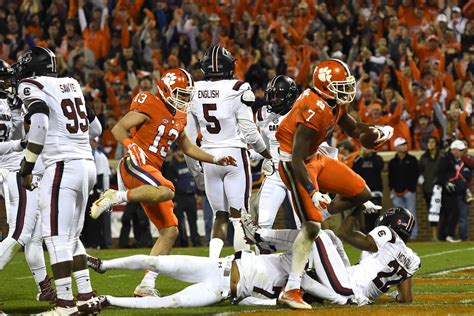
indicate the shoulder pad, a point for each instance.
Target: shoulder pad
{"x":248,"y":97}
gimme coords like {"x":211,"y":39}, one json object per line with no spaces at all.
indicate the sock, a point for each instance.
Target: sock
{"x":215,"y":247}
{"x":239,"y":236}
{"x":149,"y":279}
{"x":83,"y":281}
{"x":64,"y":289}
{"x":138,"y":262}
{"x":122,"y":196}
{"x":294,"y":281}
{"x":301,"y":249}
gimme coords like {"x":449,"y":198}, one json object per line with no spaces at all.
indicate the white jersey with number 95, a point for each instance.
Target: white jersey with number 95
{"x":68,"y":133}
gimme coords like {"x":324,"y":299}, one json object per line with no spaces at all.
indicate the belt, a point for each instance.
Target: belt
{"x":226,"y":278}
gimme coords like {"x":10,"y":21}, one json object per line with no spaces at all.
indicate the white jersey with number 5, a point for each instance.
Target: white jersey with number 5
{"x":392,"y":263}
{"x":217,"y":109}
{"x":68,"y":133}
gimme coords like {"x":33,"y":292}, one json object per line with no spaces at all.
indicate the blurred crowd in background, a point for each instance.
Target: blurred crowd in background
{"x":413,"y":59}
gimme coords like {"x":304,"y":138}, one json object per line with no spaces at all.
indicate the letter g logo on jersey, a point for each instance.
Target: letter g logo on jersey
{"x":169,"y":79}
{"x":324,"y":74}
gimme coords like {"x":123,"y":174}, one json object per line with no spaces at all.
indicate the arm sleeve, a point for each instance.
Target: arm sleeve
{"x":10,"y":146}
{"x":38,"y":128}
{"x":95,"y":128}
{"x":249,"y":129}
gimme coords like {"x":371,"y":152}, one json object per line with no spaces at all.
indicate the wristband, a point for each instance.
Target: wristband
{"x":26,"y":168}
{"x":126,"y":142}
{"x":310,"y":188}
{"x":30,"y":156}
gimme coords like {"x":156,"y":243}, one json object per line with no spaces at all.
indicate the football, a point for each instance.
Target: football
{"x":368,"y":138}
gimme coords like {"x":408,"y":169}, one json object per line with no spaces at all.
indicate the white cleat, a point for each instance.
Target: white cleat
{"x":105,"y":203}
{"x":60,"y":311}
{"x":143,"y":291}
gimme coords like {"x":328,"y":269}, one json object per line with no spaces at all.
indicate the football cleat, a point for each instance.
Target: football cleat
{"x":105,"y":203}
{"x":47,"y":292}
{"x":249,"y":227}
{"x":91,"y":305}
{"x":62,"y":308}
{"x":294,"y":299}
{"x":144,"y":290}
{"x":95,"y":264}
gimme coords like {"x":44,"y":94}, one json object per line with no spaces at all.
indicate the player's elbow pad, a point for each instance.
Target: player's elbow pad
{"x":248,"y":98}
{"x":36,"y":106}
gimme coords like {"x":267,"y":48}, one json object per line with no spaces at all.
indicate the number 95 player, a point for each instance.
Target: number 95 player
{"x":309,"y":174}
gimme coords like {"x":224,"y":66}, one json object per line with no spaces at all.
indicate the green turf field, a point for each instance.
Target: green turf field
{"x":17,"y":289}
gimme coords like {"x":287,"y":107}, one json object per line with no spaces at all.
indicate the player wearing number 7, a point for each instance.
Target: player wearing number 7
{"x":154,"y":123}
{"x":308,"y":174}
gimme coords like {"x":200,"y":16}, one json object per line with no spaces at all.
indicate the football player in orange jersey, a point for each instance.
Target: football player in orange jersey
{"x":154,"y":123}
{"x":308,"y":174}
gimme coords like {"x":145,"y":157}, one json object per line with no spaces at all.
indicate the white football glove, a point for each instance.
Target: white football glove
{"x":421,"y":180}
{"x":450,"y":187}
{"x":385,"y":132}
{"x":321,"y":201}
{"x":137,"y":154}
{"x":268,"y":168}
{"x":371,"y":208}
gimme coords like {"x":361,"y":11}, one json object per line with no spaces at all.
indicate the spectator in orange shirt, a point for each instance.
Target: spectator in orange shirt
{"x":424,"y":130}
{"x":430,"y":49}
{"x":114,"y":72}
{"x":96,"y":33}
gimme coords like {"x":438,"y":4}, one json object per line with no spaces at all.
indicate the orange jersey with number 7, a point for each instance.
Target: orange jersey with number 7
{"x":312,"y":111}
{"x":156,"y":135}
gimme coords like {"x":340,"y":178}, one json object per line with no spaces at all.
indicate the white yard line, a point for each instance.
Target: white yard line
{"x":444,"y":272}
{"x":116,"y":276}
{"x":446,"y":252}
{"x":24,"y":278}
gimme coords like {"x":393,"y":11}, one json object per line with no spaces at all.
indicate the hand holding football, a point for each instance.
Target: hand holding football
{"x":368,"y":138}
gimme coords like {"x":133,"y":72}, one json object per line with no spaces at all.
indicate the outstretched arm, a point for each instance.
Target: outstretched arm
{"x":123,"y":127}
{"x":351,"y":126}
{"x":197,"y":153}
{"x":353,"y":237}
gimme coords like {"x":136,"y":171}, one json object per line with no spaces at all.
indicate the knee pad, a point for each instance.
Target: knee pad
{"x":59,"y":248}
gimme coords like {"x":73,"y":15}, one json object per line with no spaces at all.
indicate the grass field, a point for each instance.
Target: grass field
{"x":444,"y":285}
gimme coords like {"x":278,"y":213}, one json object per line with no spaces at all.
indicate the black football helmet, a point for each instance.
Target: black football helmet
{"x":36,"y":61}
{"x":6,"y":79}
{"x":280,"y":94}
{"x":218,"y":63}
{"x":399,"y":219}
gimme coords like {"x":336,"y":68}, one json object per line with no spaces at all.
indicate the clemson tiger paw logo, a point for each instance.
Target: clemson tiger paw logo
{"x":169,"y":79}
{"x":324,"y":74}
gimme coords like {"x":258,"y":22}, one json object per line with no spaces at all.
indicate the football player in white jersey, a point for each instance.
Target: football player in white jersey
{"x":386,"y":259}
{"x":221,"y":109}
{"x":21,"y":205}
{"x":246,"y":278}
{"x":60,"y":133}
{"x":280,"y":94}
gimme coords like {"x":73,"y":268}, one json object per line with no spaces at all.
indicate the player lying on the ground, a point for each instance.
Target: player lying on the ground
{"x":385,"y":260}
{"x":257,"y":280}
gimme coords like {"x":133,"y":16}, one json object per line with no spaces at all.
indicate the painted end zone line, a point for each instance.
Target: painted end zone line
{"x":445,"y":252}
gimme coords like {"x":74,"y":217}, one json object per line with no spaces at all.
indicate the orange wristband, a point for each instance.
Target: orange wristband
{"x":126,"y":142}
